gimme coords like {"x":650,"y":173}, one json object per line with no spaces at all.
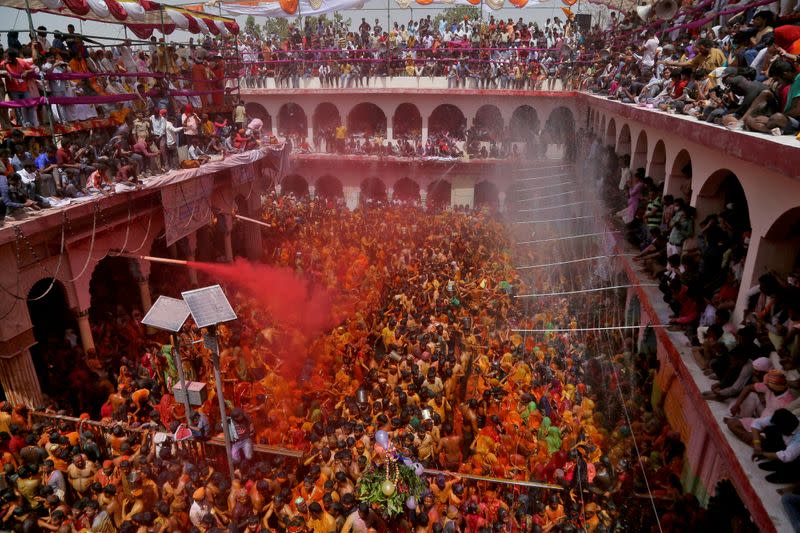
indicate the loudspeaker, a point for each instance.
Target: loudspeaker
{"x":644,"y":12}
{"x":666,"y":9}
{"x":584,"y":21}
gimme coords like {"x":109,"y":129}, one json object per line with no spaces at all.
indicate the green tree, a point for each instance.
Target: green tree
{"x":251,"y":27}
{"x":276,"y":26}
{"x":457,"y":14}
{"x":338,"y":20}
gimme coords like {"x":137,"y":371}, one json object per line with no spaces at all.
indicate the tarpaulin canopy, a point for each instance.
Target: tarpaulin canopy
{"x":492,"y":4}
{"x":141,"y":16}
{"x":291,"y":8}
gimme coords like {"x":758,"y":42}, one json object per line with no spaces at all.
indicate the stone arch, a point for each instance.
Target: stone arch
{"x":406,"y":190}
{"x":113,"y":284}
{"x":325,"y":119}
{"x":292,"y":120}
{"x":658,"y":162}
{"x":488,"y":123}
{"x":624,"y":141}
{"x":373,"y":189}
{"x":487,"y":194}
{"x":366,"y":118}
{"x":779,"y":249}
{"x":329,"y":187}
{"x":256,"y":110}
{"x":406,"y":122}
{"x":639,"y":157}
{"x":524,"y":124}
{"x":447,"y":118}
{"x":48,"y":307}
{"x":560,"y":125}
{"x":439,"y":193}
{"x":610,"y":132}
{"x":721,"y":188}
{"x":294,"y":184}
{"x":679,"y":181}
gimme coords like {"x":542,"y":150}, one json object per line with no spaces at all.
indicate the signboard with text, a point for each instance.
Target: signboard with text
{"x":187,"y":207}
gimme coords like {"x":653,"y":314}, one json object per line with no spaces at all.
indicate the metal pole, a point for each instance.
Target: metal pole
{"x":532,"y":484}
{"x":223,"y":417}
{"x":181,"y":377}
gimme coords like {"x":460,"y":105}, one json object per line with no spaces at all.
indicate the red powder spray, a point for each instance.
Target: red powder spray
{"x":297,"y":307}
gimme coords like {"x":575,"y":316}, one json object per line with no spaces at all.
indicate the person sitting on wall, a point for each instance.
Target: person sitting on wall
{"x":776,"y":439}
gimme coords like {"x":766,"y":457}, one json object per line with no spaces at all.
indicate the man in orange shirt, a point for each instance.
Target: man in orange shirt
{"x":17,"y":68}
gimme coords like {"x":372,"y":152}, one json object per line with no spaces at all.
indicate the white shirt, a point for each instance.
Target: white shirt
{"x":195,"y":152}
{"x":27,"y":177}
{"x":172,"y":137}
{"x":649,"y":53}
{"x":197,"y":511}
{"x":159,"y":125}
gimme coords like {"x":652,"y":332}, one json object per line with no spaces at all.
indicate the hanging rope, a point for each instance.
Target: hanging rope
{"x":91,"y":245}
{"x":546,"y":197}
{"x":556,"y":206}
{"x":546,"y":186}
{"x":555,"y":220}
{"x":58,"y":264}
{"x":127,"y":231}
{"x":551,"y":176}
{"x":565,"y":293}
{"x":598,"y":328}
{"x":569,"y":237}
{"x":557,"y":263}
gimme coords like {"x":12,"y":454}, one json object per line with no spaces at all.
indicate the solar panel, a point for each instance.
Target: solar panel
{"x":209,"y":306}
{"x":167,"y":313}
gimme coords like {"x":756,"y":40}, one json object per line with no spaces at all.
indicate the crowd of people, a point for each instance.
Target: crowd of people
{"x":123,"y":77}
{"x":737,"y":70}
{"x":38,"y":174}
{"x":489,"y":53}
{"x":743,"y":75}
{"x":699,"y":263}
{"x":421,"y":347}
{"x":472,"y":144}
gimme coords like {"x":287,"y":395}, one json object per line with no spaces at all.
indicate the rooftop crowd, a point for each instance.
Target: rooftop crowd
{"x":753,"y":365}
{"x":422,"y":349}
{"x":86,"y":164}
{"x":713,"y":68}
{"x":738,"y":70}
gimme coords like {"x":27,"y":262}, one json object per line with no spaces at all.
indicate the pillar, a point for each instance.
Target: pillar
{"x":144,"y":294}
{"x":253,"y":243}
{"x":192,"y":256}
{"x":85,"y":330}
{"x":312,"y":191}
{"x":423,"y":196}
{"x":310,"y":135}
{"x":389,"y":193}
{"x":19,"y":380}
{"x":228,"y":231}
{"x":389,"y":130}
{"x":352,"y":196}
{"x":501,"y":201}
{"x":750,"y":275}
{"x":424,"y":132}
